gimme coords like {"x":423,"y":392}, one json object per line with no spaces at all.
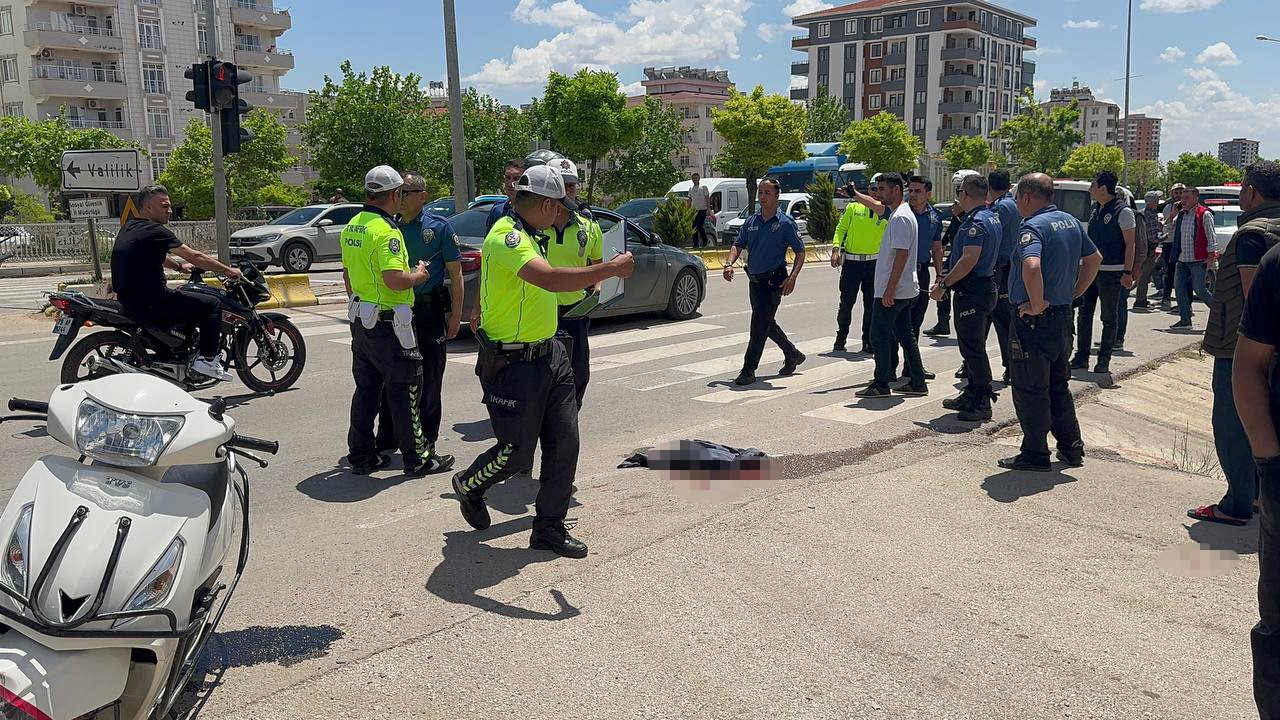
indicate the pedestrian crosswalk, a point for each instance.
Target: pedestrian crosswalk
{"x":27,"y":293}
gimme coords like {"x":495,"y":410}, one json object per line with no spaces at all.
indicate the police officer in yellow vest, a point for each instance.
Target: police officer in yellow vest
{"x":524,"y":369}
{"x":384,"y":350}
{"x":854,"y":250}
{"x":574,"y":240}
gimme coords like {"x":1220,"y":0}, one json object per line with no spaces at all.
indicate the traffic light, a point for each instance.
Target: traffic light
{"x":198,"y":74}
{"x":225,"y":81}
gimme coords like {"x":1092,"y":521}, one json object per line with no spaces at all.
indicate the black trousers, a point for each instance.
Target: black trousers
{"x":1039,"y":367}
{"x":530,"y":401}
{"x":378,"y":362}
{"x":429,"y":319}
{"x":1105,"y":291}
{"x":1170,"y":270}
{"x":766,"y":294}
{"x":944,"y":311}
{"x":974,"y":301}
{"x":1265,"y":638}
{"x":855,"y":276}
{"x":700,"y":229}
{"x":891,"y":328}
{"x":922,"y":300}
{"x":1002,"y":316}
{"x":580,"y":351}
{"x":179,"y":307}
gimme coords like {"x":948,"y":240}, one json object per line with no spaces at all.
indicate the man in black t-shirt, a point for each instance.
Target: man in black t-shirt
{"x":1256,"y":381}
{"x":138,"y":259}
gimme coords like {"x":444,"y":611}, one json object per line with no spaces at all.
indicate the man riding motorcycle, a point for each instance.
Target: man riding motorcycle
{"x":138,"y":259}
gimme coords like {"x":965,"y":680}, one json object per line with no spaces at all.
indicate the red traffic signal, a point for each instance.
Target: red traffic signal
{"x":224,"y":82}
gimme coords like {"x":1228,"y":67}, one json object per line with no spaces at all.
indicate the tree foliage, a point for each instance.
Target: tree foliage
{"x":760,"y":131}
{"x":17,"y":206}
{"x":588,"y":117}
{"x":673,"y":221}
{"x":883,"y":142}
{"x":253,"y":170}
{"x":1086,"y":161}
{"x":493,"y":134}
{"x":964,"y":152}
{"x":1201,"y":169}
{"x":1146,"y":175}
{"x":827,"y":118}
{"x":34,"y":147}
{"x":822,"y":216}
{"x":643,"y":167}
{"x":1040,"y":141}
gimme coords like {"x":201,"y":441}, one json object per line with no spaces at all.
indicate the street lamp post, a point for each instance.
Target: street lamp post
{"x":1124,"y":128}
{"x":1266,"y":39}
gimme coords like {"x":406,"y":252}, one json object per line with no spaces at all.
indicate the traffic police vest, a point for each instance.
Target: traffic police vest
{"x":859,"y":231}
{"x":1104,"y":231}
{"x":371,"y":243}
{"x":580,"y":241}
{"x":512,"y":310}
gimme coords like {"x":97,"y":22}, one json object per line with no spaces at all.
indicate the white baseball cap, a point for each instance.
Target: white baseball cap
{"x":567,"y":169}
{"x":382,"y":179}
{"x":545,"y":181}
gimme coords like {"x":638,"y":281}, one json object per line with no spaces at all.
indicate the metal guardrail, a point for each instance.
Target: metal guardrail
{"x":72,"y":28}
{"x":69,"y":242}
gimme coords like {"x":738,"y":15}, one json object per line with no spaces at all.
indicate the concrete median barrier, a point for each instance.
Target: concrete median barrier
{"x":714,"y":258}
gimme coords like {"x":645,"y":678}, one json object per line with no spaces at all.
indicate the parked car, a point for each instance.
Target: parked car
{"x":13,"y":239}
{"x":794,"y":204}
{"x":446,"y":206}
{"x":641,"y":211}
{"x":667,"y":279}
{"x":298,"y":239}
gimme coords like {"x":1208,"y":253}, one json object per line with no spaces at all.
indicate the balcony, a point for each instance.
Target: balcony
{"x":1028,"y":67}
{"x":1028,"y":41}
{"x":275,"y":20}
{"x":88,"y":3}
{"x":946,"y":134}
{"x":800,"y":42}
{"x":893,"y":85}
{"x":119,"y":128}
{"x":960,"y":80}
{"x":961,"y":52}
{"x":897,"y":110}
{"x":254,"y":56}
{"x":959,"y":107}
{"x":77,"y":82}
{"x":799,"y":93}
{"x":962,"y":25}
{"x":272,"y":99}
{"x":41,"y":35}
{"x":800,"y":68}
{"x":895,"y":59}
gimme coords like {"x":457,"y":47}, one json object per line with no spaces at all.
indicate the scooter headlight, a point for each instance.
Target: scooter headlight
{"x":154,"y":589}
{"x":123,"y":439}
{"x":15,"y":557}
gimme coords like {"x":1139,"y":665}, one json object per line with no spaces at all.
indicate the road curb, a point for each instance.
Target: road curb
{"x":19,"y":271}
{"x":714,"y":259}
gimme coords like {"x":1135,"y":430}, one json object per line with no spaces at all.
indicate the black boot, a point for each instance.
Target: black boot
{"x":978,"y":411}
{"x":559,"y":541}
{"x":961,"y":402}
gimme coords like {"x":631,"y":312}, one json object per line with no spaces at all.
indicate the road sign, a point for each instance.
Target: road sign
{"x":109,"y":170}
{"x":88,"y":208}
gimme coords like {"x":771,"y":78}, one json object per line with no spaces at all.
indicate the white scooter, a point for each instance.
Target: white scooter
{"x":115,"y":571}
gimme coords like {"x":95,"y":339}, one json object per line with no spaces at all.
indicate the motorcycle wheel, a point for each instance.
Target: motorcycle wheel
{"x":100,"y":346}
{"x":279,"y":356}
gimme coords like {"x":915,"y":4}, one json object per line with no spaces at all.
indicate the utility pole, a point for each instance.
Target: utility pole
{"x":1128,"y":57}
{"x":222,"y":227}
{"x":461,"y":190}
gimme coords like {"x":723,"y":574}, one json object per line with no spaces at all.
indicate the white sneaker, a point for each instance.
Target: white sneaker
{"x":210,"y":367}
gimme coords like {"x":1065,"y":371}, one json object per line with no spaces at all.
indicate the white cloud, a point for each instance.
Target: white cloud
{"x":1177,"y":6}
{"x":769,"y":32}
{"x":1045,"y":50}
{"x":1201,"y":74}
{"x":1173,"y":53}
{"x":758,"y":57}
{"x":804,"y":7}
{"x":799,"y":82}
{"x":632,"y":89}
{"x":1218,"y":53}
{"x":1207,"y":101}
{"x":642,"y":33}
{"x":1040,"y":85}
{"x":1082,"y":24}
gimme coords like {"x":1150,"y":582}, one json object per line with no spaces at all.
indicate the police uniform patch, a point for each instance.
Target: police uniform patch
{"x":1106,"y":218}
{"x":513,"y":239}
{"x":428,"y":234}
{"x":393,"y":245}
{"x":973,"y":232}
{"x":1026,"y":239}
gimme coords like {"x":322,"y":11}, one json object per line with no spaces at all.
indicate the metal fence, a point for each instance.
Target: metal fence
{"x":69,"y":242}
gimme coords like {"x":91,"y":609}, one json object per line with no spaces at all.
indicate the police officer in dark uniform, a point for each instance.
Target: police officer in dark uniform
{"x":969,"y":274}
{"x":1113,"y":230}
{"x":1053,"y":263}
{"x":1006,"y":209}
{"x":523,"y":367}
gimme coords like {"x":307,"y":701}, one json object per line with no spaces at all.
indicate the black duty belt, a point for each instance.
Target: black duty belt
{"x":516,"y":351}
{"x":762,"y":277}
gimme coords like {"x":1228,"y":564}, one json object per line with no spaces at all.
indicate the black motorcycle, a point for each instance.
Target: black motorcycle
{"x":265,"y":349}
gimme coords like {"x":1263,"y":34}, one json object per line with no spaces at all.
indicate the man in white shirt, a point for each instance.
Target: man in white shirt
{"x":896,"y":289}
{"x":699,"y":200}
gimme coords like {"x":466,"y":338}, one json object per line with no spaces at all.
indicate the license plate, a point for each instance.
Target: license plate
{"x":63,"y":326}
{"x":237,"y":253}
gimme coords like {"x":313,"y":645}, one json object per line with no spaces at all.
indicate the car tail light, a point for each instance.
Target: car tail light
{"x":470,"y":261}
{"x":62,"y":304}
{"x":13,"y":707}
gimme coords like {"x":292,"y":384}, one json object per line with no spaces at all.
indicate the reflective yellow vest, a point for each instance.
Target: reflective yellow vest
{"x":859,"y":230}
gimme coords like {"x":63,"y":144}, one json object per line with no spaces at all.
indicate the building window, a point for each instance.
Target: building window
{"x":922,"y":71}
{"x":1017,"y":31}
{"x":897,"y":22}
{"x":159,"y":163}
{"x":1008,"y":53}
{"x":978,"y":123}
{"x":149,"y":33}
{"x":922,"y":18}
{"x":158,"y":123}
{"x":992,"y":104}
{"x":1006,"y":102}
{"x":918,"y":124}
{"x":895,"y":100}
{"x":877,"y":25}
{"x":874,"y":102}
{"x":708,"y":109}
{"x":824,"y":29}
{"x":982,"y":17}
{"x":922,"y":42}
{"x":824,"y":54}
{"x":9,"y":69}
{"x":202,"y":39}
{"x":710,"y":135}
{"x":148,"y":2}
{"x":6,"y":21}
{"x":851,"y":77}
{"x":877,"y":50}
{"x":995,"y":50}
{"x":153,"y":78}
{"x":922,"y":97}
{"x":851,"y":52}
{"x":897,"y":74}
{"x":823,"y":81}
{"x":850,"y":27}
{"x":876,"y":76}
{"x":994,"y":76}
{"x":13,"y":109}
{"x":1008,"y":79}
{"x":898,"y":48}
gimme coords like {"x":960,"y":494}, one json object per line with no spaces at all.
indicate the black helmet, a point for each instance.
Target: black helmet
{"x":542,"y":157}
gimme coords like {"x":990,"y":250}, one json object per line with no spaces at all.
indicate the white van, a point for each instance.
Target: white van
{"x":728,"y":198}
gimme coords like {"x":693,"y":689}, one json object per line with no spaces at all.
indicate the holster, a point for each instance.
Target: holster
{"x":366,"y":312}
{"x":402,"y":324}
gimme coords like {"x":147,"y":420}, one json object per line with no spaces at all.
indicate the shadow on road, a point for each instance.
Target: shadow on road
{"x":1243,"y":539}
{"x":340,"y":486}
{"x":474,"y":431}
{"x":1013,"y":485}
{"x":470,"y":565}
{"x":949,"y":424}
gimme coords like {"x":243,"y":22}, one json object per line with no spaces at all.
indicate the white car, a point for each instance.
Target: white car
{"x":794,"y":204}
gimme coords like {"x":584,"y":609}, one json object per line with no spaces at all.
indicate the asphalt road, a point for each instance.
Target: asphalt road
{"x":343,"y":567}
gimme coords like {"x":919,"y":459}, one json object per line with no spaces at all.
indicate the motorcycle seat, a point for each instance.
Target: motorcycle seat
{"x":211,"y":479}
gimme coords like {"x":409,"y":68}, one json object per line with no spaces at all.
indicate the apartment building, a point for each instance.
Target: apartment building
{"x":1239,"y":153}
{"x":946,"y":68}
{"x":1142,"y":134}
{"x":694,"y":93}
{"x":1099,"y":120}
{"x":118,"y":64}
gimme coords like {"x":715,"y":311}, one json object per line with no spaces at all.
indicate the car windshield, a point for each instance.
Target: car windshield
{"x":301,"y":216}
{"x":782,"y":206}
{"x":636,"y":208}
{"x":1224,"y":218}
{"x":470,"y":223}
{"x":441,"y":207}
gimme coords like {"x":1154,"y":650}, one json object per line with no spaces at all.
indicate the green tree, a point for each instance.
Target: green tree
{"x":494,"y":134}
{"x":673,"y":221}
{"x":822,"y":217}
{"x":588,"y":117}
{"x":6,"y":200}
{"x":257,"y":167}
{"x":1146,"y":175}
{"x":34,"y":147}
{"x":17,"y":206}
{"x":883,"y":142}
{"x":1201,"y":169}
{"x":760,"y":131}
{"x":362,"y":120}
{"x":964,"y":152}
{"x":1087,"y":161}
{"x":1040,"y":141}
{"x":281,"y":194}
{"x":643,"y":167}
{"x":827,"y":118}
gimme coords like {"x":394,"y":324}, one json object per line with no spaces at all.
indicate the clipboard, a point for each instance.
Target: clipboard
{"x":611,"y":290}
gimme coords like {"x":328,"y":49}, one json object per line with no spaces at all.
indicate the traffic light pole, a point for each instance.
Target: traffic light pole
{"x":221,"y":223}
{"x":461,"y":190}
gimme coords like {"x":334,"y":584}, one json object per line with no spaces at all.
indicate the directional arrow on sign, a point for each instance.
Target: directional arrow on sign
{"x":73,"y":169}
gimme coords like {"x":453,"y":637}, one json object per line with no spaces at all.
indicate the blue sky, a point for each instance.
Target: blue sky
{"x":1201,"y":68}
